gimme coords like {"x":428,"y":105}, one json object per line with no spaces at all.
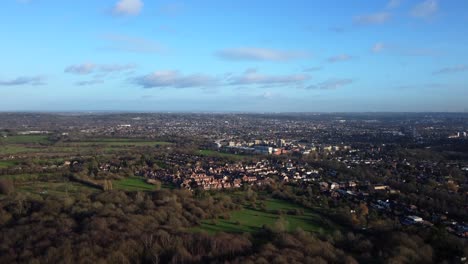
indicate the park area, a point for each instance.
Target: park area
{"x":273,"y":211}
{"x":133,"y":184}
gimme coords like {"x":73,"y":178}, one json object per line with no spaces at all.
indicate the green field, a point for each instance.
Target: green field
{"x":56,"y":188}
{"x":34,"y":146}
{"x":15,"y":149}
{"x":250,"y":220}
{"x":131,"y":140}
{"x":30,"y":144}
{"x":6,"y":164}
{"x":31,"y":139}
{"x":33,"y":177}
{"x":133,"y":184}
{"x":47,"y":184}
{"x":117,"y":143}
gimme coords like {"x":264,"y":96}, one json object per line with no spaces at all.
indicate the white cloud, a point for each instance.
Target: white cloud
{"x":116,"y":67}
{"x":339,"y":58}
{"x":378,"y":47}
{"x":85,"y":68}
{"x":87,"y":83}
{"x":312,"y":69}
{"x":371,"y":19}
{"x":392,"y":4}
{"x":251,"y":77}
{"x":331,"y":84}
{"x":174,"y":79}
{"x":88,"y":68}
{"x":259,"y":54}
{"x":128,"y":7}
{"x":452,"y":69}
{"x":405,"y":51}
{"x":425,"y":9}
{"x":24,"y":80}
{"x":171,"y":9}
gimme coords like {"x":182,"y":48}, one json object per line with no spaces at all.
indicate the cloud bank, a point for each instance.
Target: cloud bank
{"x":331,"y":84}
{"x":453,"y":69}
{"x":252,"y":76}
{"x":372,"y":19}
{"x":174,"y":79}
{"x":24,"y":80}
{"x":339,"y":58}
{"x":128,"y":7}
{"x":425,"y":9}
{"x":88,"y":68}
{"x":259,"y":54}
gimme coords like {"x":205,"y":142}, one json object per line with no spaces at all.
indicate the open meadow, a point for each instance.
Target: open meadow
{"x":250,"y":219}
{"x":133,"y":184}
{"x":43,"y":153}
{"x":28,"y":145}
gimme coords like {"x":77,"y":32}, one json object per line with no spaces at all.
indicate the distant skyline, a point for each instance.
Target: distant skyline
{"x":234,"y":56}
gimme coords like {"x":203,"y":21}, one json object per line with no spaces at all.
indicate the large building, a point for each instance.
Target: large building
{"x":263,"y":150}
{"x":280,"y":143}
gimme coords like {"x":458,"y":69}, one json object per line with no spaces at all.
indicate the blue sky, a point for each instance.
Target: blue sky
{"x":255,"y":56}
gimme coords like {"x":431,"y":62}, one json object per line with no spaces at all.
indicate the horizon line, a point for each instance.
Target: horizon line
{"x":224,"y":112}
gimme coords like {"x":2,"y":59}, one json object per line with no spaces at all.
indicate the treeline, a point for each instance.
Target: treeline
{"x":102,"y":227}
{"x":119,"y":227}
{"x":368,"y":236}
{"x":26,"y":168}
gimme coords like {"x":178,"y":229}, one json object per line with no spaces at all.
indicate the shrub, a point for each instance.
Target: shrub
{"x":6,"y":186}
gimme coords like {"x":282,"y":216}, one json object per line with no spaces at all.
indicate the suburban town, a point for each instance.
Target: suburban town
{"x":367,"y":173}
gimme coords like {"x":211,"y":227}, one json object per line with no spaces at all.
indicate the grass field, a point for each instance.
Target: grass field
{"x":31,"y":139}
{"x":124,"y":140}
{"x":30,"y":144}
{"x":251,"y":220}
{"x":56,"y":188}
{"x":33,"y":177}
{"x":133,"y":184}
{"x":46,"y":152}
{"x":117,"y":143}
{"x":6,"y":164}
{"x":15,"y":149}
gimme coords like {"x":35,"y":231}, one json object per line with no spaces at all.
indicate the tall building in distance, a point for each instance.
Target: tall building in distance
{"x":280,"y":143}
